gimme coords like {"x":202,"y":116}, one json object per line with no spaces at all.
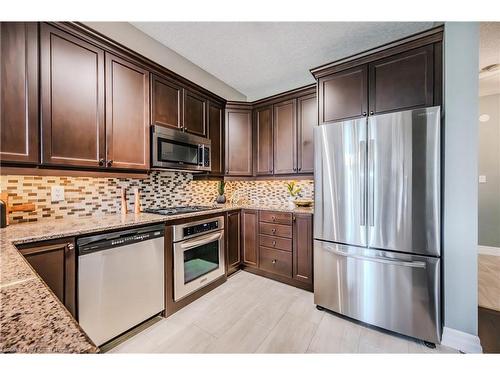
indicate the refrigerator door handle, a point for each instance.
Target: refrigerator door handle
{"x":378,"y":259}
{"x":362,"y":157}
{"x":371,"y":183}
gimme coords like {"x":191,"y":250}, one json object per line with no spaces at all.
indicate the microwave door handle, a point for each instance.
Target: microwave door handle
{"x":200,"y":241}
{"x":201,"y":161}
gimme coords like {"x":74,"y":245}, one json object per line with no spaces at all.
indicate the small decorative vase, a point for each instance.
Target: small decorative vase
{"x":291,"y":201}
{"x":221,"y":199}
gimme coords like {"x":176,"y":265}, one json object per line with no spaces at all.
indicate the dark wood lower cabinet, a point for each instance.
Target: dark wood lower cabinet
{"x":249,"y":230}
{"x":303,"y":248}
{"x":55,"y":262}
{"x":283,"y":252}
{"x":233,"y":254}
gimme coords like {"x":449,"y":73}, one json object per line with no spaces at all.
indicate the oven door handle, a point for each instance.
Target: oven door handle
{"x":189,"y":244}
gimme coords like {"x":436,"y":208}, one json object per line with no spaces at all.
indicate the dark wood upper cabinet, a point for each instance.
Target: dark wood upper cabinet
{"x":72,"y":100}
{"x":307,"y":119}
{"x":166,"y":103}
{"x":402,"y":81}
{"x":250,"y":234}
{"x":238,"y":141}
{"x":127,"y":114}
{"x":284,"y":129}
{"x":19,"y":92}
{"x":263,"y":127}
{"x":303,"y":248}
{"x":195,"y":113}
{"x":216,"y":135}
{"x":55,"y":262}
{"x":343,"y":95}
{"x":233,"y":241}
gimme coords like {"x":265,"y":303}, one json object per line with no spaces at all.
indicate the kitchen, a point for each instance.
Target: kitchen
{"x":149,"y":213}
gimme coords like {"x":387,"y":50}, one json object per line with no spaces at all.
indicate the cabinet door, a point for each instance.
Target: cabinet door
{"x":285,"y":137}
{"x":307,"y":119}
{"x":166,"y":103}
{"x":343,"y":95}
{"x":55,"y":262}
{"x":127,"y":114}
{"x":302,"y":248}
{"x":216,"y":135}
{"x":264,"y":141}
{"x":195,"y":113}
{"x":19,"y":92}
{"x":238,"y":142}
{"x":233,"y":241}
{"x":72,"y":99}
{"x":250,"y":220}
{"x":402,"y":81}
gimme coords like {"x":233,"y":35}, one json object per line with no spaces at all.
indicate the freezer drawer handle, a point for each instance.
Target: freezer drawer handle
{"x":385,"y":260}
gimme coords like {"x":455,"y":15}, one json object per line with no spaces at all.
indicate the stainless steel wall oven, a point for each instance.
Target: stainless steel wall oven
{"x":198,"y":255}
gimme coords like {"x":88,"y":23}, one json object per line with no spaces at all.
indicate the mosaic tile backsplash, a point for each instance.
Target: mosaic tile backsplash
{"x":95,"y":196}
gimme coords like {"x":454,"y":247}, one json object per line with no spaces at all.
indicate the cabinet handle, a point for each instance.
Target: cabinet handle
{"x":273,"y":261}
{"x":274,"y":243}
{"x":273,"y":230}
{"x":364,"y":113}
{"x":69,"y":248}
{"x":110,"y":163}
{"x":371,"y":112}
{"x":101,"y":162}
{"x":273,"y":218}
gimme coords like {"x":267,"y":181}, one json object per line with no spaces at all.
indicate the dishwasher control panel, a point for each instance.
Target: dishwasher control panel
{"x":87,"y":245}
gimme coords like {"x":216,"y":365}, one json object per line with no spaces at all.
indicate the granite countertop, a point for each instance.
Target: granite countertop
{"x":32,"y":319}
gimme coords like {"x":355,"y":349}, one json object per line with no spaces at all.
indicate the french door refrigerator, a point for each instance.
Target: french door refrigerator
{"x":377,"y":218}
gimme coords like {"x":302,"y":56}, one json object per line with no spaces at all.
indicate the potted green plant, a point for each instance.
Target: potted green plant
{"x":220,"y":189}
{"x":293,"y":190}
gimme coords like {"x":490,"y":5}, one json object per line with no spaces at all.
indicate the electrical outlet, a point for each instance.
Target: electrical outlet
{"x":482,"y":179}
{"x":57,"y":193}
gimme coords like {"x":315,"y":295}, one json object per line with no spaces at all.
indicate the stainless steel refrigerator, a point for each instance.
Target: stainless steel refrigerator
{"x":377,"y":220}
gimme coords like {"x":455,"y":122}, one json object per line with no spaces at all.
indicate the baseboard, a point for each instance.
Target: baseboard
{"x":465,"y":342}
{"x":488,"y":250}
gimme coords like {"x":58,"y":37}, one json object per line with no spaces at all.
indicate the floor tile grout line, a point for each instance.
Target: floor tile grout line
{"x":315,"y":331}
{"x":273,"y":327}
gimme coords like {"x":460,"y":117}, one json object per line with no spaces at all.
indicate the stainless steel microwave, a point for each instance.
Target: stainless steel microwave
{"x":174,"y":149}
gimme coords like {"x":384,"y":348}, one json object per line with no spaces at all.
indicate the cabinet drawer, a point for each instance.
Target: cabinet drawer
{"x":276,"y":217}
{"x":276,"y":230}
{"x":276,"y":261}
{"x":276,"y":242}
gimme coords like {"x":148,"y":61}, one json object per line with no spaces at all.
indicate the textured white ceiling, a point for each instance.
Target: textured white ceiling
{"x":489,"y":53}
{"x":260,"y":59}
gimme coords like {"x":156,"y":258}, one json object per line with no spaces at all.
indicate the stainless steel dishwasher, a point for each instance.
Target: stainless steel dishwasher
{"x":120,"y":280}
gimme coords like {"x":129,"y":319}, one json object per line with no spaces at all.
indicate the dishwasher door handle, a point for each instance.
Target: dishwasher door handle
{"x":189,"y":244}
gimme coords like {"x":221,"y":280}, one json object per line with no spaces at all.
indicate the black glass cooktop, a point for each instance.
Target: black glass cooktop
{"x":177,"y":210}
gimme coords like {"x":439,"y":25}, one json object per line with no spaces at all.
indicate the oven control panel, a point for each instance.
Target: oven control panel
{"x":200,"y":228}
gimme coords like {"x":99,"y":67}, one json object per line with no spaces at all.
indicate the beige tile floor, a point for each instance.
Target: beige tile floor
{"x":489,"y":281}
{"x":252,"y":314}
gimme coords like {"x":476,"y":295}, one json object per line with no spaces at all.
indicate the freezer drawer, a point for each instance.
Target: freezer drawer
{"x":398,"y":292}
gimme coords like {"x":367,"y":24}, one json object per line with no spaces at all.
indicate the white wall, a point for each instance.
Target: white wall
{"x":489,"y":166}
{"x":133,"y":38}
{"x":460,"y":233}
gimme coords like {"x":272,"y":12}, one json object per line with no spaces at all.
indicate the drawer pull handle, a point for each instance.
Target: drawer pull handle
{"x":273,"y":218}
{"x":274,"y":243}
{"x":273,"y":261}
{"x":273,"y":230}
